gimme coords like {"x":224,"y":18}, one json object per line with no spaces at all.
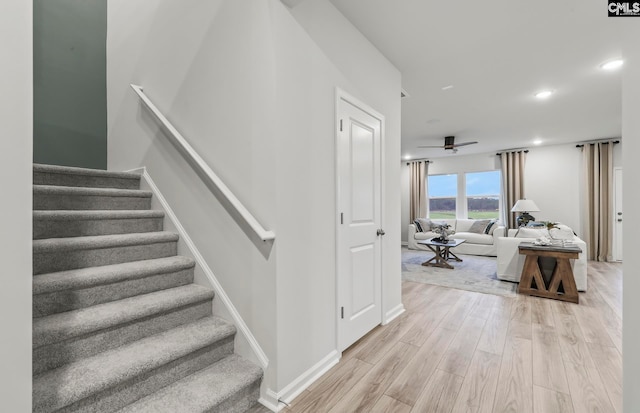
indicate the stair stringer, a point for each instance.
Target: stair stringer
{"x":246,"y":344}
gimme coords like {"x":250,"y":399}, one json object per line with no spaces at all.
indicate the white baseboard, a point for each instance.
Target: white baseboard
{"x":405,"y":243}
{"x":273,"y":400}
{"x":393,"y":313}
{"x":247,"y":338}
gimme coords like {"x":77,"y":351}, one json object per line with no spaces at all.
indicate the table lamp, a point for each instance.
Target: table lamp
{"x":524,"y":206}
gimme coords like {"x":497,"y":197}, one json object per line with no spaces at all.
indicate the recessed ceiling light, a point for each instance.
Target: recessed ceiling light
{"x":612,"y":64}
{"x":544,"y":94}
{"x":447,"y":87}
{"x":407,"y":157}
{"x":537,"y":141}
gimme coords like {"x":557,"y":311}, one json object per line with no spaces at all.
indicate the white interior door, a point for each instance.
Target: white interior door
{"x":617,"y":214}
{"x":359,"y":227}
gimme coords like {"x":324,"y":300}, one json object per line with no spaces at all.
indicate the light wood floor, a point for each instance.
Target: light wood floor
{"x":459,"y":351}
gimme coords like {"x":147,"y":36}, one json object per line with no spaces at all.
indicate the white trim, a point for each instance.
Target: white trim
{"x":404,"y":243}
{"x":616,"y":252}
{"x":197,"y":162}
{"x":393,"y":313}
{"x":272,"y":400}
{"x":241,"y":326}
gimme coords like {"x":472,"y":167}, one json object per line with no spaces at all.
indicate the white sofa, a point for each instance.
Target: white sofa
{"x":476,"y":244}
{"x":510,"y":261}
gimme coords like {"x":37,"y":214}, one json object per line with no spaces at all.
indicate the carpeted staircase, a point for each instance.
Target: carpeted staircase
{"x":118,"y":323}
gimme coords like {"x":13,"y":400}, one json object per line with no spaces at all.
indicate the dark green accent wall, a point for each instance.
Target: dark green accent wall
{"x":70,"y":82}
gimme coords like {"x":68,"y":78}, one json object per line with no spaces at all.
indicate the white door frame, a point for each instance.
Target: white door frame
{"x":342,"y":95}
{"x":617,"y":249}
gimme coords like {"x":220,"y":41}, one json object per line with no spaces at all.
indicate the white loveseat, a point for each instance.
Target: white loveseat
{"x":475,"y":244}
{"x":510,"y":261}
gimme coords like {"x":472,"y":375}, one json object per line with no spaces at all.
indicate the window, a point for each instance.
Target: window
{"x":443,"y":191}
{"x":483,"y":194}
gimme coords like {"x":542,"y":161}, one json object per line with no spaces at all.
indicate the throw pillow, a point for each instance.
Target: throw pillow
{"x":479,"y":226}
{"x":423,"y":224}
{"x":525,"y":232}
{"x":491,"y":227}
{"x":562,"y":231}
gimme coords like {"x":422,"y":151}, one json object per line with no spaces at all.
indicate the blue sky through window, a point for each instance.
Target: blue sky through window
{"x":443,"y":185}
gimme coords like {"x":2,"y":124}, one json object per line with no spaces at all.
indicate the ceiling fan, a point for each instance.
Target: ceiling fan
{"x":449,"y":144}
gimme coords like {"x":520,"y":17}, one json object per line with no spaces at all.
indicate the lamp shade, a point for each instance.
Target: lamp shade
{"x":525,"y":205}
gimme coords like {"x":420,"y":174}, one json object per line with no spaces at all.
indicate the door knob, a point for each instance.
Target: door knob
{"x":380,"y":232}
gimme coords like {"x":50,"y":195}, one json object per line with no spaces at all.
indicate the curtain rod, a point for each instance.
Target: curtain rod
{"x":513,"y":150}
{"x":414,"y":160}
{"x":613,"y":141}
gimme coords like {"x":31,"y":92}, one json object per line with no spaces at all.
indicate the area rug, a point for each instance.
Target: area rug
{"x":474,"y":273}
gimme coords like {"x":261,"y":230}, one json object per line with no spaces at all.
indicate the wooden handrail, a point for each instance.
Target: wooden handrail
{"x":198,"y":162}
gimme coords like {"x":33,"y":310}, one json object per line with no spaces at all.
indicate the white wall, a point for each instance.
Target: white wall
{"x":16,"y":152}
{"x":255,"y":96}
{"x":553,"y":180}
{"x":370,"y":77}
{"x":631,"y":201}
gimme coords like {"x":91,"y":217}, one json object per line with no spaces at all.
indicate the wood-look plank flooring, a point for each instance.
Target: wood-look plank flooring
{"x":461,"y":351}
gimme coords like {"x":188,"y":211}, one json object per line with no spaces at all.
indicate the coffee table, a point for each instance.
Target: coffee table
{"x":442,"y":252}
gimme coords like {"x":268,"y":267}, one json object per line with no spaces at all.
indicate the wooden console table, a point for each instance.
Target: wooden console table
{"x":532,"y":281}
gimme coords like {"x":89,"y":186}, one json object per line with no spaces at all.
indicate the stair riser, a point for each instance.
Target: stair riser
{"x":129,"y":391}
{"x":88,"y":202}
{"x":67,"y":300}
{"x":55,"y":355}
{"x":69,"y":260}
{"x":239,"y":402}
{"x":57,"y":179}
{"x":43,"y":229}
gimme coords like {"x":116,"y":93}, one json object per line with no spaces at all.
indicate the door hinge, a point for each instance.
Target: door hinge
{"x":341,"y":218}
{"x":341,"y":312}
{"x":340,"y":125}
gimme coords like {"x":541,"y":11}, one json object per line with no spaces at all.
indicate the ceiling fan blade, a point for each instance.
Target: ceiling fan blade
{"x":464,"y":143}
{"x":431,"y":146}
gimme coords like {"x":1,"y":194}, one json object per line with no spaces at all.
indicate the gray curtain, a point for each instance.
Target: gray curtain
{"x":512,"y":164}
{"x":417,"y":189}
{"x":598,"y":175}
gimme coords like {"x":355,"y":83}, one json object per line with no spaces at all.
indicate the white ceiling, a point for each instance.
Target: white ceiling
{"x":497,"y":54}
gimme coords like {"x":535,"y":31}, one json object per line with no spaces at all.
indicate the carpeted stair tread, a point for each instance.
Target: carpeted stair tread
{"x":73,"y":170}
{"x":63,"y":326}
{"x":82,"y":177}
{"x":107,"y":274}
{"x":87,"y":191}
{"x":101,"y":241}
{"x":70,"y":383}
{"x":52,"y":197}
{"x":193,"y":394}
{"x":78,"y":215}
{"x":81,"y":223}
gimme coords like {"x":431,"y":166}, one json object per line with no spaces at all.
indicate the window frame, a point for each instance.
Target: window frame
{"x":462,"y":208}
{"x":499,"y":194}
{"x":456,"y":197}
